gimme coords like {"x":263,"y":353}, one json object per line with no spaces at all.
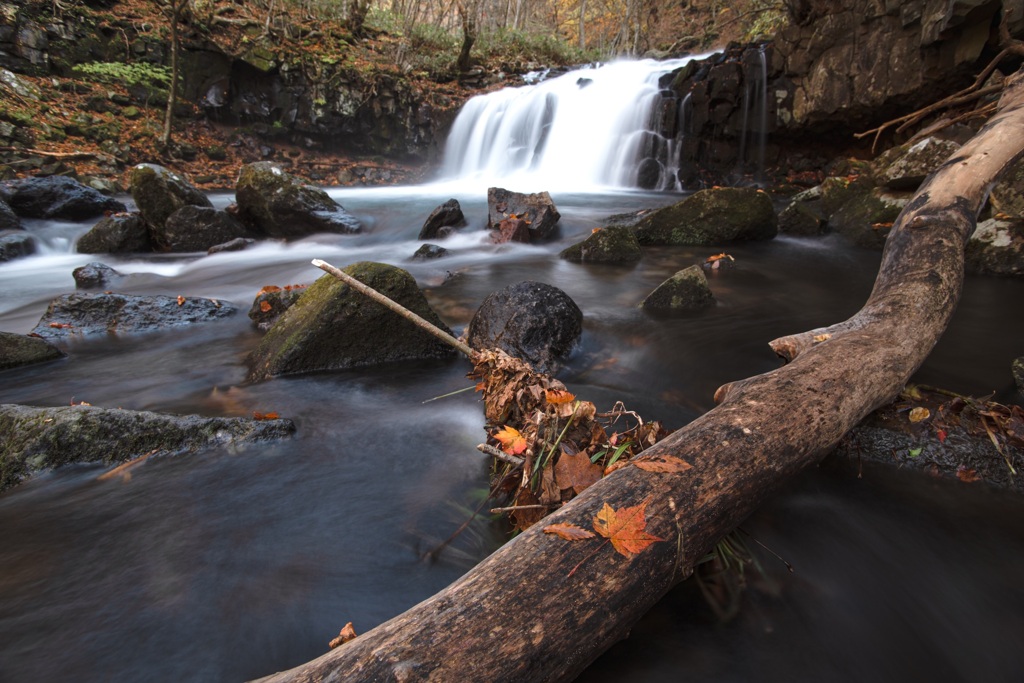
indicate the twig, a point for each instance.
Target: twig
{"x":513,"y":508}
{"x":57,"y":155}
{"x":396,"y":307}
{"x":123,"y":467}
{"x":490,"y":450}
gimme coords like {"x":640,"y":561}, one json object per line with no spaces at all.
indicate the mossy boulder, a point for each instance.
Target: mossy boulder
{"x":614,"y":244}
{"x":716,"y":216}
{"x":37,"y":439}
{"x":800,"y":220}
{"x":20,"y":349}
{"x":271,"y":302}
{"x":119,"y":233}
{"x":687,"y":290}
{"x":277,"y":204}
{"x":197,"y":228}
{"x":1008,"y":195}
{"x":996,"y":248}
{"x":866,"y":219}
{"x":836,"y":192}
{"x":905,"y":167}
{"x":333,"y":327}
{"x":159,"y":192}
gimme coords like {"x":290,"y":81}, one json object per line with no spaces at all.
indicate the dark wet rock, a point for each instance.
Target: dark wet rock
{"x":119,"y":233}
{"x":57,"y":197}
{"x":429,"y":252}
{"x":15,"y":244}
{"x":33,"y":440}
{"x":614,"y":244}
{"x":159,"y":192}
{"x":197,"y":228}
{"x":965,"y":452}
{"x":648,"y":174}
{"x":996,"y":248}
{"x":96,"y":276}
{"x":443,"y":221}
{"x":905,"y":167}
{"x":511,"y":230}
{"x":867,"y":218}
{"x":687,"y":290}
{"x":277,"y":204}
{"x":533,"y":321}
{"x":21,"y":349}
{"x":271,"y":302}
{"x":537,"y":209}
{"x":80,"y":314}
{"x":835,"y":192}
{"x":799,"y":220}
{"x":709,"y":217}
{"x":1008,"y":194}
{"x":8,"y":219}
{"x":1017,"y":370}
{"x":237,"y":244}
{"x":332,"y":327}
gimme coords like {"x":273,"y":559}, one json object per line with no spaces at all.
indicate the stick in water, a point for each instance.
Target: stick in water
{"x":397,"y":308}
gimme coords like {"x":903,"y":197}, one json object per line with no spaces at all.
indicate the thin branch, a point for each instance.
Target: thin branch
{"x":490,"y":450}
{"x":396,"y":307}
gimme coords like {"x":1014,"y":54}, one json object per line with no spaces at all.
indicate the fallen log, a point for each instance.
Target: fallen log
{"x":542,"y":608}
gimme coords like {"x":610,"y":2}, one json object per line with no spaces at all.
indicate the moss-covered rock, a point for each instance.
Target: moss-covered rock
{"x":277,"y":204}
{"x":708,"y":217}
{"x":332,"y":326}
{"x":20,"y":349}
{"x":905,"y":167}
{"x":37,"y":439}
{"x":836,"y":192}
{"x":687,"y":290}
{"x":866,"y":218}
{"x":118,"y":233}
{"x":614,"y":244}
{"x":159,"y":192}
{"x":996,"y":248}
{"x":800,"y":220}
{"x":1008,"y":195}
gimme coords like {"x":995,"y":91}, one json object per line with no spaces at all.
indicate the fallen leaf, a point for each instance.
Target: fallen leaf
{"x":919,"y":414}
{"x":559,"y":396}
{"x":181,"y":300}
{"x":626,"y":528}
{"x":268,"y":289}
{"x":914,"y":452}
{"x":818,"y":338}
{"x":569,"y":532}
{"x":617,"y":465}
{"x":265,"y":306}
{"x":942,"y":435}
{"x":575,"y":471}
{"x":511,"y":440}
{"x":61,"y":326}
{"x":966,"y":474}
{"x":346,"y":634}
{"x":668,"y":464}
{"x":264,"y":416}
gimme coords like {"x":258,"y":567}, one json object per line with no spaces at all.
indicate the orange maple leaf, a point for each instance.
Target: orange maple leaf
{"x":268,"y":289}
{"x":559,"y":396}
{"x":569,"y":532}
{"x":625,"y":528}
{"x":264,"y":416}
{"x":265,"y":306}
{"x":511,"y":440}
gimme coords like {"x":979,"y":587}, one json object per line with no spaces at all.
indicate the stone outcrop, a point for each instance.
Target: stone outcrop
{"x":276,"y":204}
{"x":536,"y":212}
{"x":533,"y":321}
{"x":20,"y":349}
{"x":710,"y":217}
{"x":996,"y":248}
{"x":687,"y":290}
{"x":33,"y":440}
{"x":159,"y":192}
{"x":333,"y":327}
{"x":81,"y":314}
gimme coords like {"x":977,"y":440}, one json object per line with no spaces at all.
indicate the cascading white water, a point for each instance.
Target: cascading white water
{"x":583,"y":129}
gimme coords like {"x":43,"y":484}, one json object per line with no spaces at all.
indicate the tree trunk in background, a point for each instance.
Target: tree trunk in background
{"x":177,"y":7}
{"x":542,"y":608}
{"x":468,"y":12}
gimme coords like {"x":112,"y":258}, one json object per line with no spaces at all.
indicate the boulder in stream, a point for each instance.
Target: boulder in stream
{"x":57,"y":197}
{"x":277,"y":204}
{"x":687,"y":290}
{"x":613,"y":244}
{"x":96,"y":276}
{"x":536,"y":209}
{"x":709,"y":217}
{"x":866,"y":218}
{"x":81,"y":314}
{"x":15,"y":244}
{"x":8,"y":219}
{"x":197,"y":228}
{"x":271,"y":302}
{"x":37,"y":439}
{"x":443,"y":221}
{"x":119,"y":233}
{"x":429,"y":252}
{"x":21,"y":349}
{"x":800,"y":220}
{"x":159,"y":192}
{"x":332,"y":326}
{"x":534,"y":321}
{"x":996,"y":248}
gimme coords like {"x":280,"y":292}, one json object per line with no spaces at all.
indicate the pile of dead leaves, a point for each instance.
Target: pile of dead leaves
{"x":549,"y":445}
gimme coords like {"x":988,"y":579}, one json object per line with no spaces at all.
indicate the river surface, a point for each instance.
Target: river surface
{"x":234,"y":563}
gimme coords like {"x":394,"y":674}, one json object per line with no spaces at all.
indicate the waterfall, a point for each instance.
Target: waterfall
{"x":755,"y":96}
{"x":587,"y":128}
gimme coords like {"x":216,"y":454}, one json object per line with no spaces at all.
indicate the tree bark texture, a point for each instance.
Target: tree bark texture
{"x":524,"y":614}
